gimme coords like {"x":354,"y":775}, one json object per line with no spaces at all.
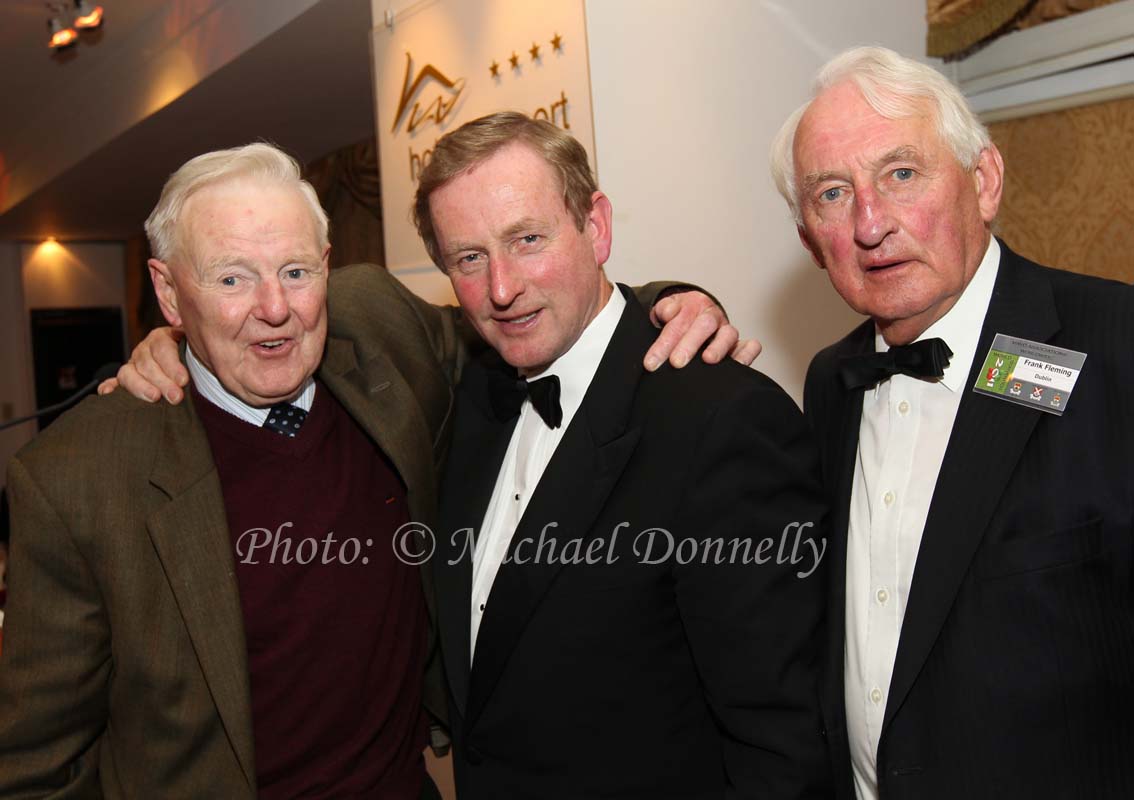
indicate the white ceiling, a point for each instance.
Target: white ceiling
{"x":307,"y":88}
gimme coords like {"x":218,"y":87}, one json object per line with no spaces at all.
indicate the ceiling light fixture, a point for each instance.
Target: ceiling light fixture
{"x":61,"y":35}
{"x":83,"y":16}
{"x":86,"y":15}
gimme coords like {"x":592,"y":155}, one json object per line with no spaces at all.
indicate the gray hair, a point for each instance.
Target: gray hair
{"x":895,"y":87}
{"x":259,"y":160}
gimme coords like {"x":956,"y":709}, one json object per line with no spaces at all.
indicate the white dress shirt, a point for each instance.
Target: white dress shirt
{"x":905,"y":428}
{"x":212,"y":390}
{"x":529,"y":451}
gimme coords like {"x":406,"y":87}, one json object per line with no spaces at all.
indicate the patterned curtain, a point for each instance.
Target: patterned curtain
{"x":1067,"y":200}
{"x":958,"y":28}
{"x":349,"y":189}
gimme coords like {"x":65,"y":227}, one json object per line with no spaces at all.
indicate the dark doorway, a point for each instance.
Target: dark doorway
{"x":68,"y":347}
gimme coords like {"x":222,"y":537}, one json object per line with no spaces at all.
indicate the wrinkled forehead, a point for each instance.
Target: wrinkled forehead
{"x":842,"y":124}
{"x":241,"y":207}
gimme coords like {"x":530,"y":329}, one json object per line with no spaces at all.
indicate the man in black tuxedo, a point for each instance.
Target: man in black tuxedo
{"x":628,"y":569}
{"x":981,"y":548}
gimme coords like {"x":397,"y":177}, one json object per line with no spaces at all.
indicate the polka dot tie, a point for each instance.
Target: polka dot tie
{"x":285,"y":418}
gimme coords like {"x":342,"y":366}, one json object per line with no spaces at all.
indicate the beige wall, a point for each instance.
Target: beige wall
{"x":51,"y":275}
{"x":73,"y":275}
{"x":688,"y":95}
{"x":16,"y":394}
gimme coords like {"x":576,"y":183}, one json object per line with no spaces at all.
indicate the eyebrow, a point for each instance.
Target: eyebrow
{"x":223,"y":262}
{"x":903,"y":153}
{"x":525,"y":224}
{"x":519,"y":226}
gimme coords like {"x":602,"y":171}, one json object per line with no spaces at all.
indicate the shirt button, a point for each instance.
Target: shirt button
{"x":517,"y":497}
{"x":888,"y":498}
{"x":876,"y":695}
{"x":903,"y":408}
{"x":482,"y":607}
{"x":882,"y":596}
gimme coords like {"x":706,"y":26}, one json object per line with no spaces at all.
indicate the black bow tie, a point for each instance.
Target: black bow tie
{"x":924,"y":359}
{"x":508,"y":395}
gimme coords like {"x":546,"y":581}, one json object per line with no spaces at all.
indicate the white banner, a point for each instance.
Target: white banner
{"x":445,"y":62}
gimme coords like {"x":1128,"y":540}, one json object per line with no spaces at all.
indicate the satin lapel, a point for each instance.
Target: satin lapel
{"x":574,"y":487}
{"x":988,"y":438}
{"x":377,"y":396}
{"x":842,"y":454}
{"x":190,"y":535}
{"x":480,"y":441}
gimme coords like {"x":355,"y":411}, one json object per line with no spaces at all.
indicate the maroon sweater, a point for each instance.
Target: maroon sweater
{"x":335,"y":625}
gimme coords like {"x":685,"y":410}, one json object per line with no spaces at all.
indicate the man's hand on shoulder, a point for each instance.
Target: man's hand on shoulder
{"x":692,"y":318}
{"x":154,"y":370}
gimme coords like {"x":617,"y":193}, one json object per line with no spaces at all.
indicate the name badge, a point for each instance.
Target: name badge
{"x":1032,"y":374}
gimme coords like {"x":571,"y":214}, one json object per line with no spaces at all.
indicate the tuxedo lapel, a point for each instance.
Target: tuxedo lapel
{"x":190,"y":536}
{"x":480,"y":441}
{"x":842,"y":452}
{"x":988,"y":438}
{"x":571,"y":493}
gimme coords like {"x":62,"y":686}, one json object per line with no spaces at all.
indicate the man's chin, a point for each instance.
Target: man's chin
{"x":527,"y":364}
{"x":268,"y":395}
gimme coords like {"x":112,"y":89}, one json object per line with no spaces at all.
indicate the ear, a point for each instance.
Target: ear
{"x":598,"y":225}
{"x":166,"y":291}
{"x":799,"y":229}
{"x":989,"y":177}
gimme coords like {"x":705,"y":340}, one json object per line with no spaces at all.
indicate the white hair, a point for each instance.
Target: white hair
{"x":258,"y":161}
{"x":895,"y":87}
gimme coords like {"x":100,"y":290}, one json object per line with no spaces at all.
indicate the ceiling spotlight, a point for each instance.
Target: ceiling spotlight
{"x":86,"y":15}
{"x":61,"y":35}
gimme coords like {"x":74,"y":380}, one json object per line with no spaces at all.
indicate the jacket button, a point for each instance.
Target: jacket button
{"x":473,"y":756}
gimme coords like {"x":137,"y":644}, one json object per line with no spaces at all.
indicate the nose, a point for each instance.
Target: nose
{"x":271,"y":302}
{"x":506,"y":280}
{"x":873,"y":221}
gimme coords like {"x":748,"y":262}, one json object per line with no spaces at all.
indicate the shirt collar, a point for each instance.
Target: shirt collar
{"x":961,"y":325}
{"x":577,"y":367}
{"x":212,"y":390}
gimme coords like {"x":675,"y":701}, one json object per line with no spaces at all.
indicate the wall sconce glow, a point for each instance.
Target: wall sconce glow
{"x":50,"y":248}
{"x":174,"y":74}
{"x":84,"y":16}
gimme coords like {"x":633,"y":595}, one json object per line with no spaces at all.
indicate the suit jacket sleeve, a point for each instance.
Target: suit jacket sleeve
{"x":370,"y":307}
{"x":55,"y":663}
{"x":756,"y":628}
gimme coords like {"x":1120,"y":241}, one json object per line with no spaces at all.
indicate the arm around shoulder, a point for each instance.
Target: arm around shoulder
{"x":372,"y":308}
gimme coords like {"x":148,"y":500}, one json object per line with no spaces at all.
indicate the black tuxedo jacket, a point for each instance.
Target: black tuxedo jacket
{"x":1014,"y":674}
{"x":624,"y":679}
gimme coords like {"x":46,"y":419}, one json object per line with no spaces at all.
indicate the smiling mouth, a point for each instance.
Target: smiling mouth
{"x":519,"y":322}
{"x":273,"y":345}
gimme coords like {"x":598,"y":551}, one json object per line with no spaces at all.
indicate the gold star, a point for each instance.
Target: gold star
{"x":494,"y":69}
{"x":557,"y":42}
{"x":534,"y":51}
{"x":514,"y":60}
